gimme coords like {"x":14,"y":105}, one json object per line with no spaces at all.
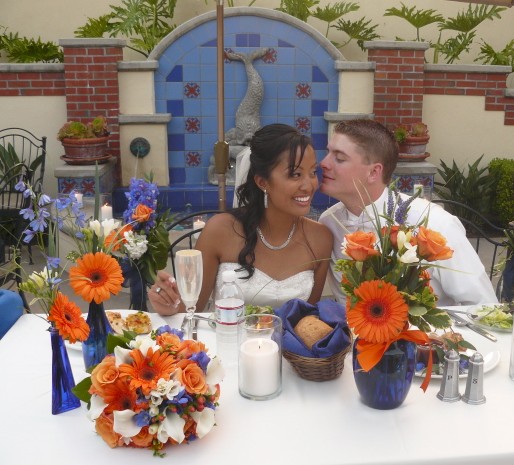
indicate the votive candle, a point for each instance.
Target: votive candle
{"x":106,"y":212}
{"x":259,"y":367}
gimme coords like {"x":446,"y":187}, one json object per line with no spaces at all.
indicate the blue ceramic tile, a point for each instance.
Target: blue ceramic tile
{"x":318,"y":75}
{"x":177,"y":176}
{"x":193,"y":57}
{"x":254,"y":40}
{"x":285,"y":107}
{"x":209,"y":90}
{"x":319,"y":124}
{"x":242,"y":40}
{"x":319,"y":107}
{"x":283,"y":43}
{"x":208,"y":56}
{"x":192,"y":107}
{"x":194,"y":197}
{"x":269,"y":107}
{"x":268,"y":74}
{"x":210,"y":43}
{"x":175,"y":75}
{"x":174,"y":90}
{"x":176,"y":159}
{"x":194,"y":175}
{"x":176,"y":142}
{"x":302,"y":107}
{"x":209,"y":107}
{"x":302,"y":73}
{"x":319,"y":141}
{"x":319,"y":91}
{"x":192,"y":73}
{"x":175,"y":107}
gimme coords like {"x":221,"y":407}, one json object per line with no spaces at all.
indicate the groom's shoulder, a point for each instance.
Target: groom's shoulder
{"x":330,"y":211}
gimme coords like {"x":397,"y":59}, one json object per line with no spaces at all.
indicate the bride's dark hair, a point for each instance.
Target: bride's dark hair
{"x":267,"y":145}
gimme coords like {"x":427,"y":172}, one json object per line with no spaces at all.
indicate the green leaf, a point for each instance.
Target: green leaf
{"x":81,"y":390}
{"x":417,"y":310}
{"x":466,"y":21}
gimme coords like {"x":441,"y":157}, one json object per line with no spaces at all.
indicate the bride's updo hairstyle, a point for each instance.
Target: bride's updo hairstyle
{"x":267,"y":145}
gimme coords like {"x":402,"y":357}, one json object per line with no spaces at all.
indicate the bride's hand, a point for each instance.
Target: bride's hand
{"x":164,"y":294}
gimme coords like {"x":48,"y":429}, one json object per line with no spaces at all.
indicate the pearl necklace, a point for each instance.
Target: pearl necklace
{"x":276,"y":247}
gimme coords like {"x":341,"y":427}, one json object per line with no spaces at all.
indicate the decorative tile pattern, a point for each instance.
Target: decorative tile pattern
{"x":270,"y":57}
{"x":303,"y":124}
{"x":193,"y":159}
{"x":303,"y":90}
{"x":406,"y":183}
{"x":192,"y":90}
{"x":192,"y":125}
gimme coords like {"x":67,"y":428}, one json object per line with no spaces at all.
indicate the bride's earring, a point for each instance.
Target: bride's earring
{"x":265,"y":198}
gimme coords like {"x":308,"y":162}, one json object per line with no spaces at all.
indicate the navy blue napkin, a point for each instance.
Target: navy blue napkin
{"x":329,"y":311}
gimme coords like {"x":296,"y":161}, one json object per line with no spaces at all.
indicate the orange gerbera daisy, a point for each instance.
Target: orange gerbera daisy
{"x":96,"y":277}
{"x":144,"y":371}
{"x":119,"y":396}
{"x":116,"y":238}
{"x":381,"y":313}
{"x":68,"y":319}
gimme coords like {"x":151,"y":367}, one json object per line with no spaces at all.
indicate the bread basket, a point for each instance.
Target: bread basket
{"x":319,"y":369}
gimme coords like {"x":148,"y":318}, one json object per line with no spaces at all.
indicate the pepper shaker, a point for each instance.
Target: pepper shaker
{"x":449,"y":391}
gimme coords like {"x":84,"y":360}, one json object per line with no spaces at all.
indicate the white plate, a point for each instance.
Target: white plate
{"x":156,"y":322}
{"x":477,"y":308}
{"x":491,"y":360}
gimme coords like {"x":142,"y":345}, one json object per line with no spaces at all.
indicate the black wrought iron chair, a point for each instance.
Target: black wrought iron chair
{"x":22,"y":157}
{"x":186,"y":240}
{"x":478,"y":229}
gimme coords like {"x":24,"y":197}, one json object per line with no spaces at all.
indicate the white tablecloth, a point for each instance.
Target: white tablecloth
{"x":308,"y":424}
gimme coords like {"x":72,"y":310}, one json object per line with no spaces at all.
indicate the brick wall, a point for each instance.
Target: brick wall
{"x":26,"y":80}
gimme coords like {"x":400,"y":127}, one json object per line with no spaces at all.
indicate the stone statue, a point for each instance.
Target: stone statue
{"x":247,"y":115}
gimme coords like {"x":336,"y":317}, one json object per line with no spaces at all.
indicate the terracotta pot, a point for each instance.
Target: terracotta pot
{"x":414,"y":145}
{"x":86,"y":149}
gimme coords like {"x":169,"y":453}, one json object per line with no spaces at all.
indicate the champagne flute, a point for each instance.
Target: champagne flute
{"x":189,"y":270}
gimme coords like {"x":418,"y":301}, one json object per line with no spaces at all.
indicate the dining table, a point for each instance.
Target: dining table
{"x":309,"y":423}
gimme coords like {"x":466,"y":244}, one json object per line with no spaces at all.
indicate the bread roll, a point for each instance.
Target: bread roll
{"x":310,"y":329}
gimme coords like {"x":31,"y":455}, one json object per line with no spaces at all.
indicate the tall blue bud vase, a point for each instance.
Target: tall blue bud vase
{"x":94,"y":349}
{"x":387,"y":384}
{"x":63,"y":398}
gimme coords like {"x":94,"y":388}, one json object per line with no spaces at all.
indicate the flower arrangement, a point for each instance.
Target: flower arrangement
{"x":387,"y":283}
{"x":156,"y":389}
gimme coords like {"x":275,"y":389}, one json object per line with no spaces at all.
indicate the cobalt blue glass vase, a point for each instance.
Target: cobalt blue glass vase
{"x":387,"y":384}
{"x":63,"y":398}
{"x":94,"y":349}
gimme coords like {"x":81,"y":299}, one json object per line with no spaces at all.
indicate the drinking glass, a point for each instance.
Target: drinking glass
{"x":189,"y":270}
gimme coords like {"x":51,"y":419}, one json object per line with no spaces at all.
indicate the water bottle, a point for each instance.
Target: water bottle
{"x":229,"y":311}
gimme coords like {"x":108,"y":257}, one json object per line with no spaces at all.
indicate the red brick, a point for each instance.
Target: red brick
{"x":454,"y":91}
{"x":9,"y":92}
{"x":494,"y":107}
{"x":474,"y":92}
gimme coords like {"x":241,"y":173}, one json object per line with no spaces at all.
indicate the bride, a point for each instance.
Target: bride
{"x":278,"y":254}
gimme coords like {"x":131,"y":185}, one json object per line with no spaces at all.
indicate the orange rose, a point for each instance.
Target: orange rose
{"x":393,"y":234}
{"x":106,"y":372}
{"x":192,"y":377}
{"x":142,"y":213}
{"x":360,"y":245}
{"x":116,"y":237}
{"x":189,"y":347}
{"x":169,"y":341}
{"x":104,"y":427}
{"x":432,"y":245}
{"x":143,"y":438}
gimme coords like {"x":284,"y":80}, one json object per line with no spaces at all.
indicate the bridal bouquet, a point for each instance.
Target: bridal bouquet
{"x":387,"y":283}
{"x":156,"y":389}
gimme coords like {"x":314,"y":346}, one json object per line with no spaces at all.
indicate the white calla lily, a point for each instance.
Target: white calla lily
{"x":400,"y":239}
{"x":96,"y":227}
{"x":171,"y":427}
{"x":122,"y":355}
{"x":215,"y":371}
{"x":205,"y":420}
{"x":109,"y":225}
{"x":143,"y":343}
{"x":97,"y":407}
{"x":124,"y":423}
{"x":410,"y":255}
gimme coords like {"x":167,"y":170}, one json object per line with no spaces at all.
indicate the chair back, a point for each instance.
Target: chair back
{"x":186,"y":237}
{"x":478,"y":228}
{"x":11,"y":308}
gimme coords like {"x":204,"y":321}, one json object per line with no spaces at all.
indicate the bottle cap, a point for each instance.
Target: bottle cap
{"x":229,"y":276}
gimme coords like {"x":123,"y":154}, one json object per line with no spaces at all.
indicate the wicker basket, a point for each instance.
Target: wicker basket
{"x":318,"y":369}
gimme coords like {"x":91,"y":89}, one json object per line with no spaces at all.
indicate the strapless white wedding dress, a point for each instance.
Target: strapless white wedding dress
{"x":261,"y":289}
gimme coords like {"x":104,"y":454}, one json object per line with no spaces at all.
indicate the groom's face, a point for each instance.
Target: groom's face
{"x":345,"y":171}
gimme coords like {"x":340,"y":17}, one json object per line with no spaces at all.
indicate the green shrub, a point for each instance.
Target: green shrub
{"x":502,"y":171}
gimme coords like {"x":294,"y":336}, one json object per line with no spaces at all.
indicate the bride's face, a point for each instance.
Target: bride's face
{"x":293,"y":192}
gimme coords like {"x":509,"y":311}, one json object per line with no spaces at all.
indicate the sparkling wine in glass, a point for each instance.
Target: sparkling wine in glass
{"x":189,"y":270}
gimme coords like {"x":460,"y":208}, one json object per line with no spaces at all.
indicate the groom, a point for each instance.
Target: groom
{"x":362,"y":155}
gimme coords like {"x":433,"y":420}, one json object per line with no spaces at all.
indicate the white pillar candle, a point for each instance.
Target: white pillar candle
{"x":79,"y":196}
{"x":106,"y":212}
{"x":259,"y":367}
{"x":198,"y":224}
{"x":418,"y":187}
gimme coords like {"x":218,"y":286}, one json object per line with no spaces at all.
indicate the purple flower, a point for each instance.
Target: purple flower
{"x":27,"y":213}
{"x":29,"y":234}
{"x":53,"y":262}
{"x":20,"y":185}
{"x":202,"y":359}
{"x":142,"y":418}
{"x":44,"y":200}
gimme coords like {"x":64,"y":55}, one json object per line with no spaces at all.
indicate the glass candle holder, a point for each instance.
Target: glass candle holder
{"x":260,"y":357}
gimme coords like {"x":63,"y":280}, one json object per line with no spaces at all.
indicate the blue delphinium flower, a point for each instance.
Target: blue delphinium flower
{"x":141,"y":192}
{"x":202,"y":359}
{"x":142,"y":418}
{"x":27,"y":213}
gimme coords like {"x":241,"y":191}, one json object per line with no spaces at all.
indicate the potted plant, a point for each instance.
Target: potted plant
{"x":85,"y":143}
{"x":412,"y":140}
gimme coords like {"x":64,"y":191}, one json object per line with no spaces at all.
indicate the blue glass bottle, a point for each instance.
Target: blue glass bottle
{"x":387,"y":384}
{"x":63,"y":398}
{"x":94,"y":349}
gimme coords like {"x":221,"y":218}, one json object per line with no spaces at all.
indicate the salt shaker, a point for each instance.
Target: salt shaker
{"x":449,"y":391}
{"x":474,"y":393}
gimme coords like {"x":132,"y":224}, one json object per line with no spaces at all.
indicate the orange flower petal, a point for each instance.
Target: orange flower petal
{"x":68,"y":319}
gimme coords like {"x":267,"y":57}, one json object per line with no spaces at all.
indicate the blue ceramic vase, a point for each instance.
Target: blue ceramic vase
{"x":63,"y":398}
{"x":94,"y":349}
{"x":387,"y":384}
